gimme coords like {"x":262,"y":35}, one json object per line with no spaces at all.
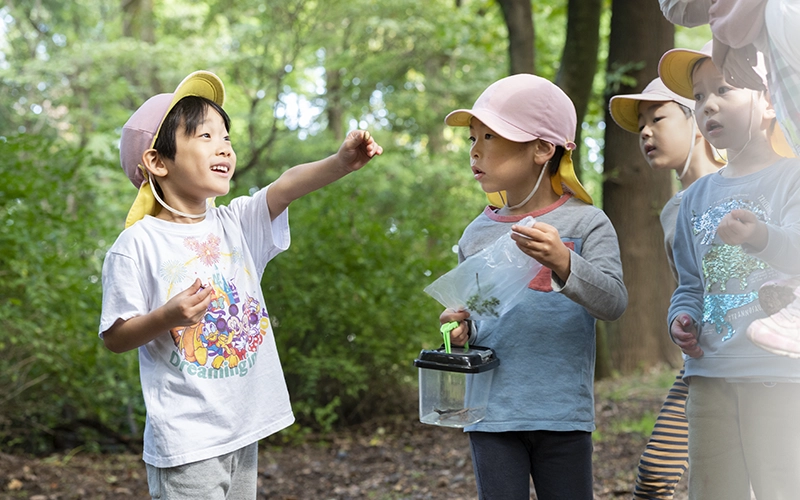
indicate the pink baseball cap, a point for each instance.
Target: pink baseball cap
{"x":141,"y":130}
{"x":522,"y":108}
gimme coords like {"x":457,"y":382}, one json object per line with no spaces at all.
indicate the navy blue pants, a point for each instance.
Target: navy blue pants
{"x":560,"y":464}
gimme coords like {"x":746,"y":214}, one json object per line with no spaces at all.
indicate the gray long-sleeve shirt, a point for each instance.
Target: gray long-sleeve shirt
{"x":718,"y":283}
{"x":546,"y":343}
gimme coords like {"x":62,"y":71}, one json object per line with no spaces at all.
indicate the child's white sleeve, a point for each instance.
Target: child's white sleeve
{"x":123,"y":296}
{"x":265,"y":237}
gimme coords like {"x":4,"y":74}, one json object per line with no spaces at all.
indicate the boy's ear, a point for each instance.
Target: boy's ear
{"x":544,"y":151}
{"x":152,"y":161}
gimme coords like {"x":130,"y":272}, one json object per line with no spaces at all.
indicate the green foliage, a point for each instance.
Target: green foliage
{"x":642,"y":426}
{"x":51,"y":249}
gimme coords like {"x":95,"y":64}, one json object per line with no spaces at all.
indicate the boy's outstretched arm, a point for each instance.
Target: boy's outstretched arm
{"x":185,"y":309}
{"x":356,"y":151}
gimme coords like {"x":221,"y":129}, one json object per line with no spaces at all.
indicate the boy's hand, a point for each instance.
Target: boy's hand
{"x":742,"y":226}
{"x":684,"y":333}
{"x":189,"y":306}
{"x":185,"y":309}
{"x":357,"y":150}
{"x":543,"y":243}
{"x":460,"y":334}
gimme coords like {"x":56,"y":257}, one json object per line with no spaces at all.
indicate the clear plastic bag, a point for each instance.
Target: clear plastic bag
{"x":489,"y":283}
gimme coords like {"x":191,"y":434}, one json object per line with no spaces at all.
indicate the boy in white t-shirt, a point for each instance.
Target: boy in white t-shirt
{"x":182,"y":284}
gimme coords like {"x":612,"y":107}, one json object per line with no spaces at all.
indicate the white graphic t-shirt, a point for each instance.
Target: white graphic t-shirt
{"x":216,"y":386}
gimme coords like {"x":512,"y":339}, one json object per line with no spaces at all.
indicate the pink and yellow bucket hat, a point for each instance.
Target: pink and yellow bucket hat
{"x":141,"y":131}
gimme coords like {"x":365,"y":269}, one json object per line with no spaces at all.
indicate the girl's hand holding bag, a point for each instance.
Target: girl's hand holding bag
{"x":489,"y":283}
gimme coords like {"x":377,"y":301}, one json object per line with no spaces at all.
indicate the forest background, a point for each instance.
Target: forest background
{"x":346,"y":299}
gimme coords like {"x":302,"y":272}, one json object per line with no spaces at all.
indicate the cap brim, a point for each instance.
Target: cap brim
{"x":201,"y":84}
{"x":675,"y":70}
{"x":625,"y":109}
{"x":462,"y":118}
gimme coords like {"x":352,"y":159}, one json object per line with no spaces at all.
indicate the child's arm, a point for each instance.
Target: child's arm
{"x":776,"y":242}
{"x":543,"y":243}
{"x":184,"y":309}
{"x":686,"y":305}
{"x":689,"y":13}
{"x":742,"y":227}
{"x":591,"y":278}
{"x":356,"y":151}
{"x":684,"y":333}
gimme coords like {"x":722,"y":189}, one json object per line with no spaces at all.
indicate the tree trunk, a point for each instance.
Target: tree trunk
{"x":579,"y":59}
{"x":138,"y":20}
{"x":633,"y":194}
{"x":518,"y":15}
{"x":334,"y":109}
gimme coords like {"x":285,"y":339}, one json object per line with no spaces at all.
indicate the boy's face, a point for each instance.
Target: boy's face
{"x":728,"y":117}
{"x":665,"y":134}
{"x":204,"y":162}
{"x":499,"y":164}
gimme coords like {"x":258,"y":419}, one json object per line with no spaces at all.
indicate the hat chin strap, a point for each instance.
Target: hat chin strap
{"x":538,"y":181}
{"x":176,"y":212}
{"x":691,"y":150}
{"x":749,"y":126}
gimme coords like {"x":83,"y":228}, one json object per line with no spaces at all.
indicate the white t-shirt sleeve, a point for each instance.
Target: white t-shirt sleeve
{"x":265,"y":237}
{"x":123,"y":295}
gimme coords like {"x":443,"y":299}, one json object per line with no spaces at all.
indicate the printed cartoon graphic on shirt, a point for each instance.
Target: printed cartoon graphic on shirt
{"x":225,"y":342}
{"x":722,"y":263}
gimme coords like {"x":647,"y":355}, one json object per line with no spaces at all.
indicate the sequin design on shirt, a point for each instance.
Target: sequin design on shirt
{"x":716,"y":307}
{"x":708,"y":222}
{"x":725,"y":262}
{"x":722,"y":263}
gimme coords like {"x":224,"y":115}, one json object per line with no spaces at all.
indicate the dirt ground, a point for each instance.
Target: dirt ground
{"x":389,"y":459}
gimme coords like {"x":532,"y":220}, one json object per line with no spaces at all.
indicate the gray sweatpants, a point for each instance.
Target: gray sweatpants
{"x":227,"y":477}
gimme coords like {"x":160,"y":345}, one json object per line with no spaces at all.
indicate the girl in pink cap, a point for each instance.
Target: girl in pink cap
{"x":540,"y":414}
{"x":669,"y":139}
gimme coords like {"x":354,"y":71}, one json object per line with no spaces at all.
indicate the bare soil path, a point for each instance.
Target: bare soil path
{"x":389,"y":459}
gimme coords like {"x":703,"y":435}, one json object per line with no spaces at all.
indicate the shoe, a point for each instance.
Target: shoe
{"x":779,"y":333}
{"x":775,"y":295}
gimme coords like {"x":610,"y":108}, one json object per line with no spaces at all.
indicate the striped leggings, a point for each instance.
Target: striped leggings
{"x":666,"y":455}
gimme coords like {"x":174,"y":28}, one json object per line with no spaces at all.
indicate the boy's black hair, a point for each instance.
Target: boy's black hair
{"x":689,"y":112}
{"x":555,"y":160}
{"x":189,"y":112}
